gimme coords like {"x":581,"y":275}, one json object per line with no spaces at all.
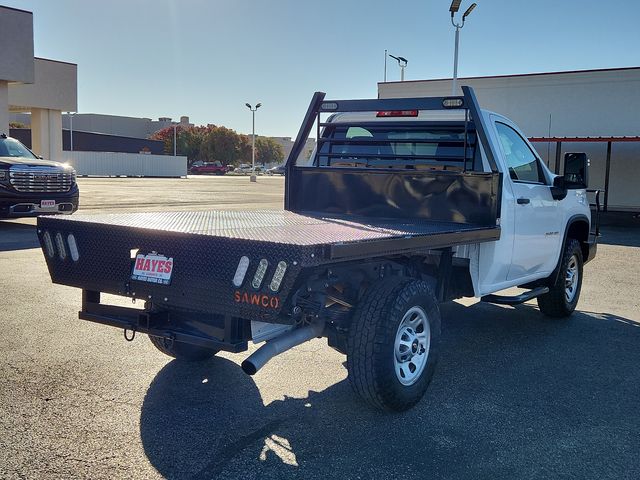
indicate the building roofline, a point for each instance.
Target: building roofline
{"x":535,"y":74}
{"x":16,"y":9}
{"x":55,"y":61}
{"x":584,"y":139}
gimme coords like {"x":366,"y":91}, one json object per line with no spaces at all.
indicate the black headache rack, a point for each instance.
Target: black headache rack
{"x":456,"y":191}
{"x":332,"y":215}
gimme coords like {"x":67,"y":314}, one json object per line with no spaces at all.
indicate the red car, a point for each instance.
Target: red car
{"x":213,"y":168}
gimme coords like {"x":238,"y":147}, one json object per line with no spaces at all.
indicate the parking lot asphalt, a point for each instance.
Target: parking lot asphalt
{"x":515,"y":395}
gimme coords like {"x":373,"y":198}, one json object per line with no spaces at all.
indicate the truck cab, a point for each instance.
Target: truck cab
{"x":538,"y":208}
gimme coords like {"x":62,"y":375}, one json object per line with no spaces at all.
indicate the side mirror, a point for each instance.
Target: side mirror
{"x":559,"y":189}
{"x":576,"y":171}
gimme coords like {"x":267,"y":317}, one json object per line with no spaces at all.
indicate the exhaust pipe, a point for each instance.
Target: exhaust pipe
{"x":278,"y":345}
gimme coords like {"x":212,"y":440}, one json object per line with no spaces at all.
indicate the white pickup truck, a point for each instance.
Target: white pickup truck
{"x":405,"y":203}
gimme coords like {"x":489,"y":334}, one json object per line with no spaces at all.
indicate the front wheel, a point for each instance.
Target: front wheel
{"x":181,"y":350}
{"x":392,"y":347}
{"x":563,"y":295}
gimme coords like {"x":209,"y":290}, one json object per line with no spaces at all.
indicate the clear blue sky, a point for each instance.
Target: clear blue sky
{"x":206,"y":58}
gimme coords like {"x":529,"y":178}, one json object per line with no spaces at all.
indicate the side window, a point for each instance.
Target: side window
{"x":523,"y":164}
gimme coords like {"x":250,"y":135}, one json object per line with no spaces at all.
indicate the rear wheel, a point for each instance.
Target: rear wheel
{"x":181,"y":350}
{"x":392,"y":347}
{"x":563,"y":296}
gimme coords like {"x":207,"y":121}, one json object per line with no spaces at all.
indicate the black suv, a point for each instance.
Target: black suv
{"x":31,"y":186}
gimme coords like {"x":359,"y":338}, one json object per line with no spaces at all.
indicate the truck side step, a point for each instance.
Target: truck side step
{"x":516,"y":299}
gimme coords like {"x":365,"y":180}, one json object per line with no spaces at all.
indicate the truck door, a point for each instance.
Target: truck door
{"x":537,"y":219}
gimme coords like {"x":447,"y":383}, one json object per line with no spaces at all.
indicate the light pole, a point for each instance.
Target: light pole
{"x":252,"y":178}
{"x":402,"y":63}
{"x":175,"y":139}
{"x":455,"y":5}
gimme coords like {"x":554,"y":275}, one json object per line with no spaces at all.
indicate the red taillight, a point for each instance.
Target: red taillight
{"x":398,"y":113}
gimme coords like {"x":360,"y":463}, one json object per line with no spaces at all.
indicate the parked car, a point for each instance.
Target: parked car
{"x":212,"y":168}
{"x":246,"y":168}
{"x":31,"y":186}
{"x":278,"y":170}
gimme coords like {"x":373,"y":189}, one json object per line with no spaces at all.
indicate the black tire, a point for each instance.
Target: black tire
{"x":557,"y":303}
{"x":371,"y":343}
{"x":181,"y":350}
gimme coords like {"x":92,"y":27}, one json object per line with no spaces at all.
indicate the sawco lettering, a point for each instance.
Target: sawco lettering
{"x":259,"y":300}
{"x":156,"y":266}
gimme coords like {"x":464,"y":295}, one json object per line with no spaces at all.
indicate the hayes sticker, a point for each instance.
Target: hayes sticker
{"x":152,"y":268}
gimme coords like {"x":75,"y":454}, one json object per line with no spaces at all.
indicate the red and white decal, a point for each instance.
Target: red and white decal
{"x":153,"y":268}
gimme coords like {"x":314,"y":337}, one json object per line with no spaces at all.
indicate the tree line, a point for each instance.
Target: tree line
{"x":213,"y":143}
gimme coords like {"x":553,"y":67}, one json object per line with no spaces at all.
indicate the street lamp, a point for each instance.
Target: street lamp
{"x":402,"y":63}
{"x":175,"y":138}
{"x":252,"y":178}
{"x":455,"y":5}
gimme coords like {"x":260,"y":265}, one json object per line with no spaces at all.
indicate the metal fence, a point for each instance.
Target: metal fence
{"x":109,"y":164}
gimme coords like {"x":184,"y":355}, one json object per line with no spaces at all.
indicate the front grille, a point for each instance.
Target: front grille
{"x":41,"y":179}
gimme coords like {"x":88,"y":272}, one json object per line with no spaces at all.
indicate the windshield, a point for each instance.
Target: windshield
{"x":397,"y":146}
{"x":10,"y":147}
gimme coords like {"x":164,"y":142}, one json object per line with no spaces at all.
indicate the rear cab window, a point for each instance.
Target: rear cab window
{"x":398,"y":146}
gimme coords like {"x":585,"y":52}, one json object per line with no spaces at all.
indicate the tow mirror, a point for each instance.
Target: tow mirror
{"x":558,"y":189}
{"x":576,"y":171}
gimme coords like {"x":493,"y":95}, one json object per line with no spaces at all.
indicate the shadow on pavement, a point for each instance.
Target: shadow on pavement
{"x":623,"y":236}
{"x":17,"y":236}
{"x":515,"y":395}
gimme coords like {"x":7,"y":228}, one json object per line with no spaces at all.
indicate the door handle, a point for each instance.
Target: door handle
{"x":523,"y":201}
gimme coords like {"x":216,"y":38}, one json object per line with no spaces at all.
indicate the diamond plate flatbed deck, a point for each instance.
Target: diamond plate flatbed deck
{"x":341,"y":236}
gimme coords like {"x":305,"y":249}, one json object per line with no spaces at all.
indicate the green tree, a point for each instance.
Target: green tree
{"x":268,"y":151}
{"x":189,"y":141}
{"x":222,"y":144}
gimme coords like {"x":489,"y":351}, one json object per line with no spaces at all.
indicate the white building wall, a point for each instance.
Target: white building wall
{"x":16,"y":40}
{"x":55,"y":87}
{"x":571,"y":104}
{"x":46,"y":133}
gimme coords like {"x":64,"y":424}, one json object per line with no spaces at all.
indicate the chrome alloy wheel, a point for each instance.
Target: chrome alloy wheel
{"x":411,"y":348}
{"x":571,"y":279}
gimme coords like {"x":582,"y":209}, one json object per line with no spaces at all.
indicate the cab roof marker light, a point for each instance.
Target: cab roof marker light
{"x":452,"y":102}
{"x":398,"y":113}
{"x":62,"y":251}
{"x":260,"y":272}
{"x":73,"y":247}
{"x":241,"y":271}
{"x":329,"y":106}
{"x":48,"y":244}
{"x":281,"y":269}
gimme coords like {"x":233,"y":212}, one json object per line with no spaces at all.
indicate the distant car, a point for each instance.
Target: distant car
{"x":213,"y":168}
{"x":246,"y":168}
{"x":277,"y":170}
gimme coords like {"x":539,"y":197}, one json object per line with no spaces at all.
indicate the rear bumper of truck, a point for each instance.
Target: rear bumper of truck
{"x":21,"y":204}
{"x":218,"y":333}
